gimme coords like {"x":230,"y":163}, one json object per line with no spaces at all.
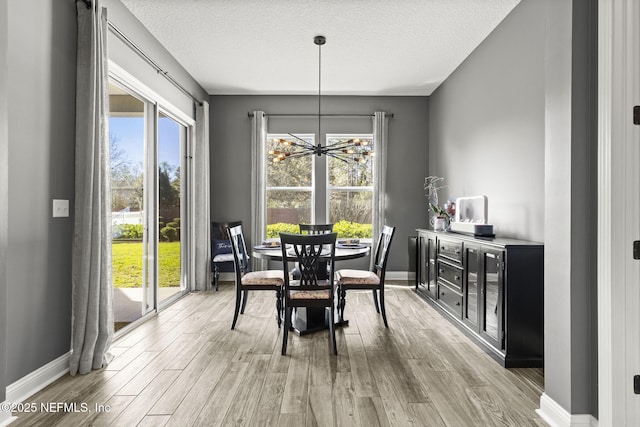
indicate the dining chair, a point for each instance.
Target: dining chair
{"x":310,"y":291}
{"x":221,"y":256}
{"x":368,"y":279}
{"x":315,"y":228}
{"x":245,"y":280}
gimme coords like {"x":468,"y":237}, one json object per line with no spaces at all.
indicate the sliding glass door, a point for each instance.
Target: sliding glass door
{"x":171,"y":144}
{"x":128,"y":204}
{"x":148,"y":201}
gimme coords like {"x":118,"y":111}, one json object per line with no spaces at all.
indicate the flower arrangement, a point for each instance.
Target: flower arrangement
{"x":431,"y":186}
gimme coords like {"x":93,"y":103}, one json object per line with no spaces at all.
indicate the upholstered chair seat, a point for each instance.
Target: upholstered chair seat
{"x":223,"y":258}
{"x":267,"y":277}
{"x":316,"y":295}
{"x":357,"y":277}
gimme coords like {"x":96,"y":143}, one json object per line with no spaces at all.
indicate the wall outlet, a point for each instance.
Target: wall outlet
{"x":60,"y":208}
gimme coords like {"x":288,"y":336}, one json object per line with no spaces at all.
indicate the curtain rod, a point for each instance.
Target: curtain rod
{"x":151,"y":62}
{"x":390,"y":115}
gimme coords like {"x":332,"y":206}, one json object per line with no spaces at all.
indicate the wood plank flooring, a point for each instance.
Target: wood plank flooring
{"x":185,"y":367}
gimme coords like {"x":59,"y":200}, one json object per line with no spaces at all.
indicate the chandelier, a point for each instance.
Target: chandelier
{"x":347,"y":150}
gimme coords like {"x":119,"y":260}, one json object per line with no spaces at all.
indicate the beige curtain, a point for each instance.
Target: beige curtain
{"x":201,"y":185}
{"x":380,"y":136}
{"x":92,"y":292}
{"x":258,"y":189}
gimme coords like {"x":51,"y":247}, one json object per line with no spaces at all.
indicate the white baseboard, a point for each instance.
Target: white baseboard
{"x":6,"y":418}
{"x":556,"y":416}
{"x":400,"y":275}
{"x":32,"y":383}
{"x":227,"y":277}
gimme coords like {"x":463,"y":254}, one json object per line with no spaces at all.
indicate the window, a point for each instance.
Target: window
{"x":290,"y":192}
{"x":304,"y":190}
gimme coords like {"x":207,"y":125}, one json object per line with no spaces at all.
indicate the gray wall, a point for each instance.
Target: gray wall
{"x":571,"y":182}
{"x":41,"y":134}
{"x":41,"y":99}
{"x":585,"y":93}
{"x":4,"y":188}
{"x":515,"y":122}
{"x":487,"y":125}
{"x":407,"y":157}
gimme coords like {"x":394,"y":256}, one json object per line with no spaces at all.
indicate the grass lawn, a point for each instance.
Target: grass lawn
{"x":127,"y":264}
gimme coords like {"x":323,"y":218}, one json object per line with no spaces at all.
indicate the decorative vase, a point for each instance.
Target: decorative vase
{"x":439,"y":223}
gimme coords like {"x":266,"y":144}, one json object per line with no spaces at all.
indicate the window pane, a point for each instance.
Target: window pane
{"x":286,"y":209}
{"x":126,"y":144}
{"x":352,"y":207}
{"x":351,"y":170}
{"x":291,"y":171}
{"x":170,"y":137}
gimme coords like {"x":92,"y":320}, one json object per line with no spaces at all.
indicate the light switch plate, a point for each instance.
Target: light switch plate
{"x":60,"y":208}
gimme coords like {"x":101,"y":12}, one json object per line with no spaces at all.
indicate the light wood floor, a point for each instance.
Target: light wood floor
{"x":186,"y":367}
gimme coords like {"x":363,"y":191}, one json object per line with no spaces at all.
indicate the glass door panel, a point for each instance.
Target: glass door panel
{"x":470,"y":314}
{"x":427,"y":281}
{"x":432,"y":277}
{"x":492,"y":297}
{"x":127,"y":147}
{"x":421,"y":280}
{"x":171,"y":143}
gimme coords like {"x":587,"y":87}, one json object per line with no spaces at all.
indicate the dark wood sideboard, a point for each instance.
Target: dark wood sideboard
{"x":491,"y":288}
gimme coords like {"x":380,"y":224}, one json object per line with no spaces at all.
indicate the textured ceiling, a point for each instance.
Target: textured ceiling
{"x":374,"y":47}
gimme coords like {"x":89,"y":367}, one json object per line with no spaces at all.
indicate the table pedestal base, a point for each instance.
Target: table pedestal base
{"x":306,"y":320}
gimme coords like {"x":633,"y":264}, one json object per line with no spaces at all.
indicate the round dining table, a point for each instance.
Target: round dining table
{"x":310,"y":319}
{"x":343,"y":252}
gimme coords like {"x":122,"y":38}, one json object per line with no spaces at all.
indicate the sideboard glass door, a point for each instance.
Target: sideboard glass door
{"x":491,"y":297}
{"x":471,"y":310}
